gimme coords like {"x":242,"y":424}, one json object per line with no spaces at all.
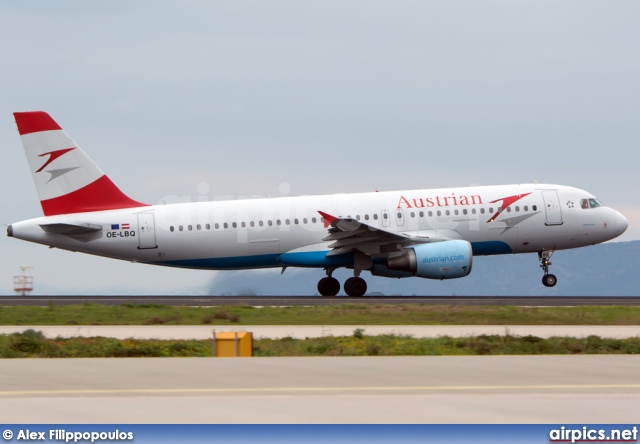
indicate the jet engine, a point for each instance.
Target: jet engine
{"x":439,"y":260}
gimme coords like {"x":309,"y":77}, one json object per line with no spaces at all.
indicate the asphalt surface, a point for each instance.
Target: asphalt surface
{"x":209,"y":301}
{"x":410,"y":389}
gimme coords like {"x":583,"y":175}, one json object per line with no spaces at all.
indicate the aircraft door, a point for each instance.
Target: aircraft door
{"x":146,"y":231}
{"x":552,"y":207}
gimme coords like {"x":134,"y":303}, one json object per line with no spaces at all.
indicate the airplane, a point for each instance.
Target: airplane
{"x":425,"y":233}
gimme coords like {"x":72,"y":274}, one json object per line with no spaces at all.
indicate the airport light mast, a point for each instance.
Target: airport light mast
{"x":23,"y":284}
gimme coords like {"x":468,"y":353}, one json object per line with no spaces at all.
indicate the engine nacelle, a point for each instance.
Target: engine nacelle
{"x":382,"y":271}
{"x":439,"y":260}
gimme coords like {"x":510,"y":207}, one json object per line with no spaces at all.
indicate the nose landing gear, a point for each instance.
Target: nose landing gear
{"x":548,"y":280}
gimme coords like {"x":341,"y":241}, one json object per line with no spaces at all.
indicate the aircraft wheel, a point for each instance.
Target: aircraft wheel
{"x":549,"y":280}
{"x":355,"y":286}
{"x":328,"y":286}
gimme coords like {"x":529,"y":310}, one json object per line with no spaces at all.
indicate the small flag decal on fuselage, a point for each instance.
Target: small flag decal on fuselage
{"x":115,"y":226}
{"x":125,"y":226}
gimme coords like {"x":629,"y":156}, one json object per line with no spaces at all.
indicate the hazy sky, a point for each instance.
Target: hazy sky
{"x":193,"y":100}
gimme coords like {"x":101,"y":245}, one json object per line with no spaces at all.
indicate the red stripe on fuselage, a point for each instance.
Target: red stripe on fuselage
{"x":35,"y":121}
{"x":97,"y":196}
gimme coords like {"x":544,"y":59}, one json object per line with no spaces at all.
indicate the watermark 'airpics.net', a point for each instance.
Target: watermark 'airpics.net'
{"x":592,"y":434}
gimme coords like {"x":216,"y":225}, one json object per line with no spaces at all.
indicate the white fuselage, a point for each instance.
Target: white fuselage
{"x":288,"y":231}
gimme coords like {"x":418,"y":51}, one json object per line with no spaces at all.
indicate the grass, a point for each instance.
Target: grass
{"x":33,"y":344}
{"x":342,"y":314}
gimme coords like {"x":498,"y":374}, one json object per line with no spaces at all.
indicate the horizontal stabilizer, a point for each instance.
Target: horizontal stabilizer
{"x":71,"y":229}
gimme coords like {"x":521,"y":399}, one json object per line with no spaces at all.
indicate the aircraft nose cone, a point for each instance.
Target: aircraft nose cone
{"x":622,"y":223}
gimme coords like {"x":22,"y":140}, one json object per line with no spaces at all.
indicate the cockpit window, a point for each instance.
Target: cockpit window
{"x":590,"y":203}
{"x":595,"y":203}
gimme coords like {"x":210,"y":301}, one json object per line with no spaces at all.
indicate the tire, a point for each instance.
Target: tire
{"x":328,"y":286}
{"x":549,"y":280}
{"x":355,"y":287}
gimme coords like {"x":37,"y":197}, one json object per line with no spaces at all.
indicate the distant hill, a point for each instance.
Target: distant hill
{"x":611,"y":269}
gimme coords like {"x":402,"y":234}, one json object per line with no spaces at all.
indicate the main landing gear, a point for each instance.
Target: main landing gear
{"x":329,"y":286}
{"x":548,"y":280}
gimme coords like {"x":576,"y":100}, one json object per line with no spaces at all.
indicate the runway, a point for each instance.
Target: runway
{"x":316,"y":331}
{"x":426,"y":389}
{"x":209,"y":301}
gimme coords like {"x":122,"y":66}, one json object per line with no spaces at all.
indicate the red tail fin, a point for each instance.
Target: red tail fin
{"x":66,"y":178}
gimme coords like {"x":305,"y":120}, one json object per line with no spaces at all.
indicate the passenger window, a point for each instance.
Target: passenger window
{"x":439,"y":213}
{"x":399,"y":215}
{"x":278,"y":222}
{"x":234,"y":225}
{"x":243,"y":225}
{"x":208,"y":226}
{"x":357,"y":217}
{"x":180,"y":228}
{"x":413,"y":214}
{"x":269,"y":222}
{"x":198,"y":227}
{"x":171,"y":228}
{"x":216,"y":226}
{"x":517,"y":209}
{"x":456,"y":212}
{"x":226,"y":225}
{"x":447,"y":212}
{"x":422,"y":214}
{"x":313,"y":219}
{"x":473,"y":211}
{"x":261,"y":223}
{"x":252,"y":224}
{"x":385,"y":216}
{"x":430,"y":213}
{"x":190,"y":227}
{"x":526,"y":208}
{"x":491,"y":210}
{"x":508,"y":209}
{"x":375,"y":217}
{"x":287,"y":221}
{"x":464,"y":211}
{"x":534,"y":208}
{"x":366,"y":217}
{"x":481,"y":210}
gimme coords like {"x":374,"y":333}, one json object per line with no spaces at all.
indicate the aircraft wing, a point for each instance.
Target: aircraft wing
{"x":350,"y":235}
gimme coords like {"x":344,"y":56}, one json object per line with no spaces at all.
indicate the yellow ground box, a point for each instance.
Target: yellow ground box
{"x":231,"y":344}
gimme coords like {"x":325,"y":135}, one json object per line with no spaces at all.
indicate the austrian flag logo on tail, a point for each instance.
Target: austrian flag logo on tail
{"x":53,"y":155}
